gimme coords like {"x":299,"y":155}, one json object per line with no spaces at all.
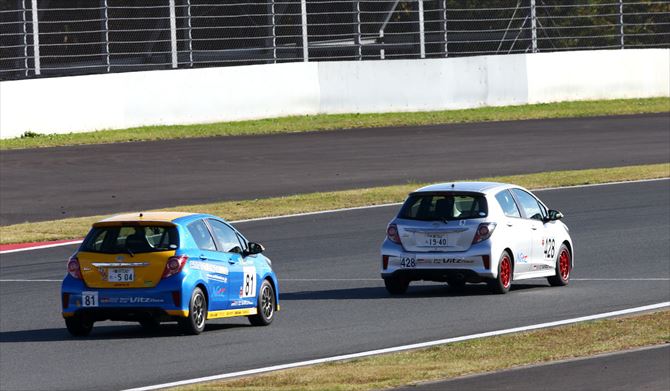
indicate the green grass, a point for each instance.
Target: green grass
{"x":463,"y":358}
{"x":73,"y":228}
{"x":344,"y":121}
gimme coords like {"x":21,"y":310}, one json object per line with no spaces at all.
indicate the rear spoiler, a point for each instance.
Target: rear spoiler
{"x":133,"y":223}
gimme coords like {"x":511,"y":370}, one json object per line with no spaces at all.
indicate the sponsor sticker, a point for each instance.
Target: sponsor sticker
{"x":208,"y":267}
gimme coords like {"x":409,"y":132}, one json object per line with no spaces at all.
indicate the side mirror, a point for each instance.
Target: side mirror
{"x":255,"y":248}
{"x":555,"y":215}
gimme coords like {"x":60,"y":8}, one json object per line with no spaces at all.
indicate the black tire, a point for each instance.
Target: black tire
{"x":563,"y":268}
{"x":197,"y":313}
{"x":79,"y":326}
{"x":150,"y":324}
{"x":267,"y":304}
{"x":396,"y":285}
{"x":503,"y":281}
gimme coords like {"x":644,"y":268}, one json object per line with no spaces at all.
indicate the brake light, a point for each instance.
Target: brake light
{"x":174,"y":265}
{"x":73,"y":268}
{"x":484,"y":232}
{"x":392,"y":233}
{"x":385,"y":261}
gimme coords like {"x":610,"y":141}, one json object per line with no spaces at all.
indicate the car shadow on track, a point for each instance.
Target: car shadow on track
{"x":414,"y":292}
{"x":166,"y":330}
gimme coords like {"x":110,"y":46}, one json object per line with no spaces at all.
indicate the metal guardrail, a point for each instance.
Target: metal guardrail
{"x":41,"y":38}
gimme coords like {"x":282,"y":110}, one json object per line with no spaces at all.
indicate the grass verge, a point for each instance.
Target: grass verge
{"x":344,"y":121}
{"x":463,"y":358}
{"x":72,"y":228}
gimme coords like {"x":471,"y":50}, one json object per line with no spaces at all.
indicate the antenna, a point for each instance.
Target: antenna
{"x":141,"y":215}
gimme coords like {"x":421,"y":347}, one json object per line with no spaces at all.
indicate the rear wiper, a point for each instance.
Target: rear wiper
{"x":130,"y":252}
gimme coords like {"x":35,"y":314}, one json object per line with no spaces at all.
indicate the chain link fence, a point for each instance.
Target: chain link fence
{"x":41,"y":38}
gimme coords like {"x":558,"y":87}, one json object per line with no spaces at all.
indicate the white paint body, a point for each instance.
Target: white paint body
{"x":188,"y":96}
{"x":532,"y":242}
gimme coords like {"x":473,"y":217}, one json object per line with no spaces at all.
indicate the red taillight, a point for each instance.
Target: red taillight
{"x":73,"y":268}
{"x":487,"y":261}
{"x":385,"y":261}
{"x":484,"y":232}
{"x":176,"y":298}
{"x":66,"y":300}
{"x":392,"y":233}
{"x":174,"y":265}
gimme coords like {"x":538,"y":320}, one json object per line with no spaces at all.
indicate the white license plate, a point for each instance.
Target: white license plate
{"x":121,"y":275}
{"x":435,"y":240}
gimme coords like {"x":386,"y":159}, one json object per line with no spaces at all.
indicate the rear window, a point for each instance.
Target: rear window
{"x":131,"y":239}
{"x":444,"y":206}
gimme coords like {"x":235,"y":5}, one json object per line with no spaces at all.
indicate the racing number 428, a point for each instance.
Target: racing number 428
{"x":407,"y":262}
{"x":550,"y":247}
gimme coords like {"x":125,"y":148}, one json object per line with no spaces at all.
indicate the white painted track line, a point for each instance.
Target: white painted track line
{"x":339,"y":210}
{"x":404,"y":347}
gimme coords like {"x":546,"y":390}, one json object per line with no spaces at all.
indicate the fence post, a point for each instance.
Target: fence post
{"x":190,"y":33}
{"x":106,"y":14}
{"x":533,"y":25}
{"x":446,"y":41}
{"x":305,"y":41}
{"x":621,"y":32}
{"x":357,"y":20}
{"x":173,"y":34}
{"x":36,"y":39}
{"x":25,"y":38}
{"x":422,"y":32}
{"x":274,"y":31}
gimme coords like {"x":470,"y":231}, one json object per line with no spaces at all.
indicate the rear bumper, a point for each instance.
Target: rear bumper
{"x":475,"y":264}
{"x":163,"y":301}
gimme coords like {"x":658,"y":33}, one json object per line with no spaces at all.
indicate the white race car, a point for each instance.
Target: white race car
{"x":475,"y":232}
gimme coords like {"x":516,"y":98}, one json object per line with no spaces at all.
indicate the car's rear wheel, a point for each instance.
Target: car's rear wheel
{"x":396,"y":285}
{"x":503,"y":281}
{"x":266,"y":305}
{"x":194,"y":323}
{"x":563,"y":265}
{"x":78,"y":325}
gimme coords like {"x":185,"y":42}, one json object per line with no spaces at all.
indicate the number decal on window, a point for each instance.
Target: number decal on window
{"x":549,"y":248}
{"x":89,"y":299}
{"x":407,"y":262}
{"x":248,"y":282}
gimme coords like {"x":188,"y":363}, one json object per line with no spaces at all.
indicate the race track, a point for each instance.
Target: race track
{"x":333,"y":301}
{"x":53,"y":183}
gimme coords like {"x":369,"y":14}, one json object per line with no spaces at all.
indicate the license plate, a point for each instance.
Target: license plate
{"x":121,"y":275}
{"x":435,"y":240}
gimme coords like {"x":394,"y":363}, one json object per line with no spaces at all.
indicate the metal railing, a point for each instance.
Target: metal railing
{"x":73,"y":37}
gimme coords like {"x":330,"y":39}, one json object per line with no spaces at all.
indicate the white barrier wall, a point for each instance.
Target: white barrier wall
{"x":122,"y":100}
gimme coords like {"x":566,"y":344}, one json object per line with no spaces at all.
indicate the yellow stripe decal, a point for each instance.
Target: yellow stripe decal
{"x":68,"y":314}
{"x":231,"y":313}
{"x":177,"y":313}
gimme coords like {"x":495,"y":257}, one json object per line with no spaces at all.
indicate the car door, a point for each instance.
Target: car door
{"x":534,"y":214}
{"x":519,"y":232}
{"x":212,"y":264}
{"x":242,"y":279}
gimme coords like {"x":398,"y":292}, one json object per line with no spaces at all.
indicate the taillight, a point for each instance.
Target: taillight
{"x":73,"y":268}
{"x":392,"y":233}
{"x":385,"y":261}
{"x":174,"y":265}
{"x":484,"y":232}
{"x":66,"y":300}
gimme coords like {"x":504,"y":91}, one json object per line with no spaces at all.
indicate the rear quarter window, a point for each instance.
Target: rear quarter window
{"x":444,"y":206}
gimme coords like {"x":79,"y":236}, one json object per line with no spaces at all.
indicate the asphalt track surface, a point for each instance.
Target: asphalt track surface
{"x":53,"y":183}
{"x":645,"y":369}
{"x":333,"y":301}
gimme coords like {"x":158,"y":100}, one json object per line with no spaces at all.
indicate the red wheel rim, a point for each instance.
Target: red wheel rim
{"x":564,"y":264}
{"x":505,"y":271}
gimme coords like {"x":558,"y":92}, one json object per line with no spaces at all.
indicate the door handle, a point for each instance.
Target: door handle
{"x":510,"y":224}
{"x":204,"y":258}
{"x":534,"y":228}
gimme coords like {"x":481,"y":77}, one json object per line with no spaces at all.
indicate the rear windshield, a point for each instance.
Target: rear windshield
{"x":444,"y":206}
{"x":131,"y":239}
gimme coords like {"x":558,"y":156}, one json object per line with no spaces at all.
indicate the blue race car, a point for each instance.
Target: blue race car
{"x":167,"y":266}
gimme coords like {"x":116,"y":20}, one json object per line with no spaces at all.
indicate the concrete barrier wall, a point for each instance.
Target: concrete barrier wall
{"x":115,"y":101}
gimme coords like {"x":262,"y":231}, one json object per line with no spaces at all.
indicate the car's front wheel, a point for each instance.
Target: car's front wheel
{"x":503,"y":281}
{"x":396,"y":285}
{"x":563,"y":264}
{"x":194,"y":323}
{"x":265,"y":307}
{"x":78,"y":325}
